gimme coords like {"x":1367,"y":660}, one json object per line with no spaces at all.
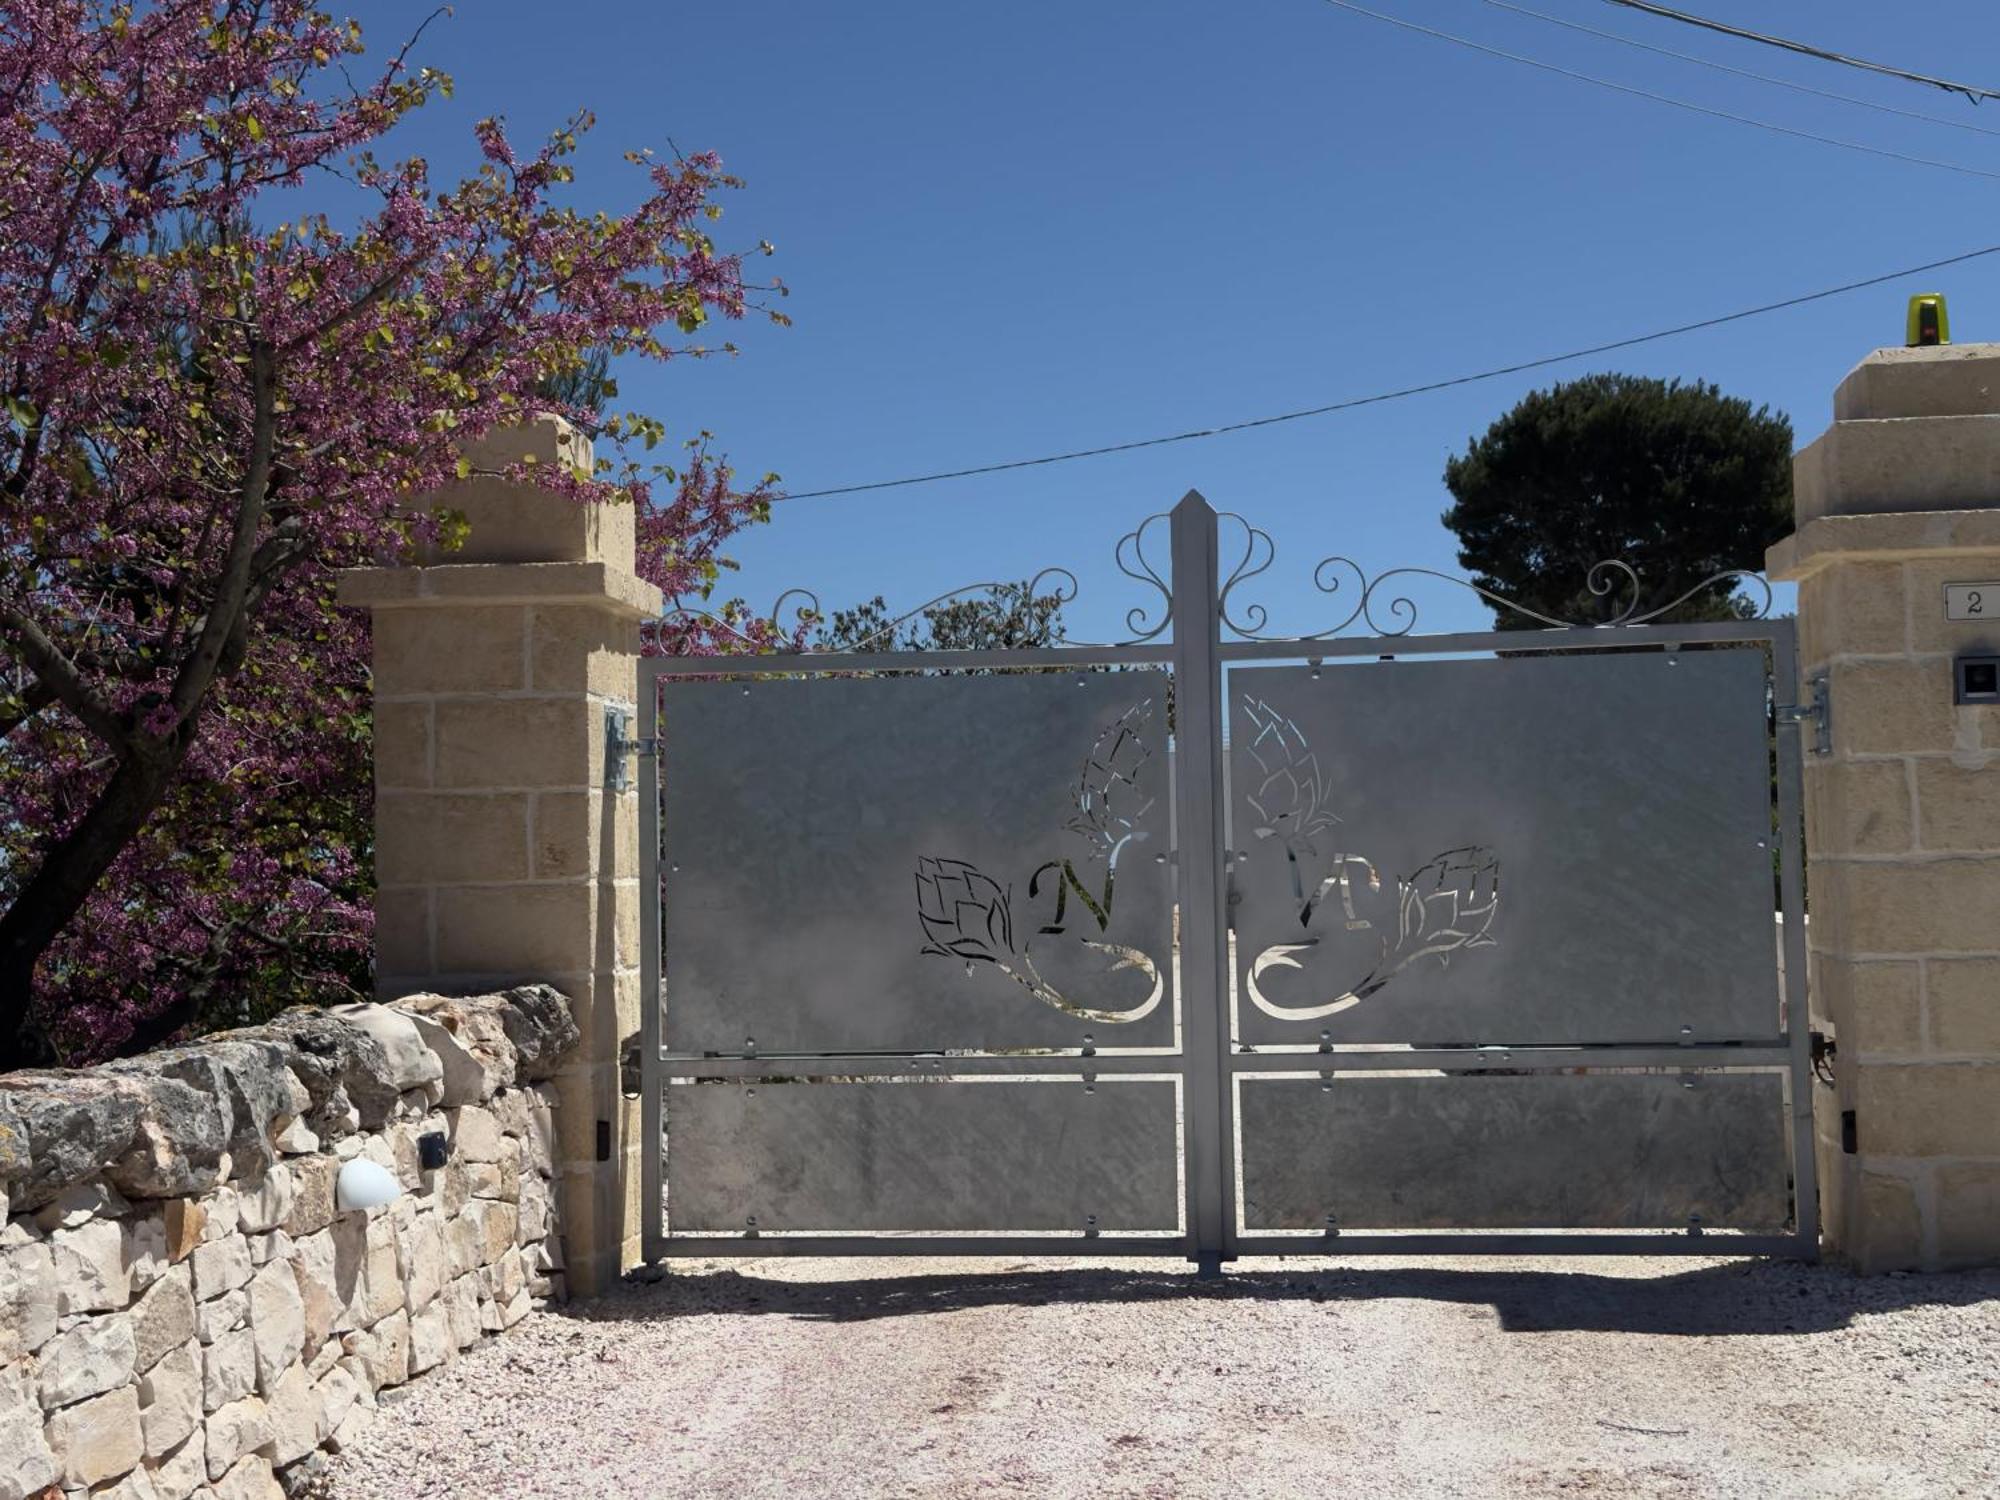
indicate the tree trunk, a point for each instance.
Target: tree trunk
{"x":56,"y":892}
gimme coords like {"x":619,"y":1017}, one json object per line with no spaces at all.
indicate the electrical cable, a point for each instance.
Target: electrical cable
{"x":1397,"y":395}
{"x":1807,"y":49}
{"x":1723,"y":67}
{"x":1625,"y":88}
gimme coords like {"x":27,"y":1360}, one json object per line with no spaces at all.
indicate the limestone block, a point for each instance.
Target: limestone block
{"x":525,"y":929}
{"x":1854,"y":609}
{"x":221,"y":1265}
{"x":410,"y":1062}
{"x":1941,"y":380}
{"x":475,"y":1134}
{"x":582,"y":648}
{"x":430,"y":1339}
{"x":383,"y":1351}
{"x":534,"y":1206}
{"x":27,"y":1299}
{"x":296,"y":1139}
{"x":1960,"y":805}
{"x":338,"y":1391}
{"x":497,"y":1222}
{"x":1964,"y":1005}
{"x":229,"y":1369}
{"x":137,"y":1485}
{"x":314,"y":1269}
{"x":422,"y":1255}
{"x":264,"y":1207}
{"x":351,"y":1429}
{"x":1937,"y":906}
{"x":426,"y":838}
{"x":516,"y":1308}
{"x":1871,"y":465}
{"x":1861,"y":807}
{"x":312,"y":1206}
{"x":1893,"y":707}
{"x":294,"y":1407}
{"x":163,"y":1318}
{"x":184,"y":1220}
{"x":92,"y":1357}
{"x":250,"y":1479}
{"x":277,"y":1322}
{"x":1937,"y":1109}
{"x":1876,"y":1008}
{"x":379,"y":1289}
{"x":90,"y":1270}
{"x":225,"y":1314}
{"x":456,"y":649}
{"x":79,"y":1203}
{"x":26,"y":1464}
{"x":218,"y":1216}
{"x":98,"y":1439}
{"x":402,"y":745}
{"x":170,"y":1399}
{"x":265,"y":1248}
{"x":182,"y":1472}
{"x":510,"y":1110}
{"x":460,"y":1301}
{"x":241,"y":1427}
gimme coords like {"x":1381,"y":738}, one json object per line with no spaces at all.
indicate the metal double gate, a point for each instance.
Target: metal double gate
{"x":1212,"y":943}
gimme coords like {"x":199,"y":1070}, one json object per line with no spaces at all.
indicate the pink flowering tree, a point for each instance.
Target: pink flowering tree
{"x":214,"y":399}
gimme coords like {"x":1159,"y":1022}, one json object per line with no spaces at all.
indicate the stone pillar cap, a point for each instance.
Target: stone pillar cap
{"x":1941,"y":380}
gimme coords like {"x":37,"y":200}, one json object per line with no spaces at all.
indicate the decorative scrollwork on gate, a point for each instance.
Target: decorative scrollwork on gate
{"x":1448,"y":904}
{"x":1388,"y":613}
{"x":967,"y":914}
{"x":773,"y":632}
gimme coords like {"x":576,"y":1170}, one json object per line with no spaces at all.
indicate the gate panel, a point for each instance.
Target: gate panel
{"x":1001,"y":1154}
{"x":1531,"y":1151}
{"x":965,"y":864}
{"x":1547,"y":849}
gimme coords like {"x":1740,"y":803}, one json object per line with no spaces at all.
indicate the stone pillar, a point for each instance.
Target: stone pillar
{"x":500,"y":857}
{"x":1898,"y":498}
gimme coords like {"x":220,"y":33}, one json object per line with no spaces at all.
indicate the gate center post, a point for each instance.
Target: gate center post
{"x":1197,"y":733}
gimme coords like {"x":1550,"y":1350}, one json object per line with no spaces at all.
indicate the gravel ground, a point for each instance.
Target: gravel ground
{"x":1496,"y":1377}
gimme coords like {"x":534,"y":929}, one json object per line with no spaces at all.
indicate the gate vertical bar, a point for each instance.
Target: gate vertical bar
{"x":1789,"y":749}
{"x":1198,"y":807}
{"x":650,"y":1105}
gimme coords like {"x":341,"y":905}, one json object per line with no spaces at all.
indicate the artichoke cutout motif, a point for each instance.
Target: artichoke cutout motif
{"x":1446,"y":906}
{"x":968,"y":915}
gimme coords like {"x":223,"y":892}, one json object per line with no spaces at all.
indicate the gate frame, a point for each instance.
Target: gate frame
{"x":1207,"y":1069}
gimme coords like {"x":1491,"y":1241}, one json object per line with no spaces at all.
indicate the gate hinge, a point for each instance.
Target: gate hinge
{"x":1818,"y":712}
{"x":619,"y":743}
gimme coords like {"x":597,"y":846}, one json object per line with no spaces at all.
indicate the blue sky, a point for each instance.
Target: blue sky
{"x":1013,"y":230}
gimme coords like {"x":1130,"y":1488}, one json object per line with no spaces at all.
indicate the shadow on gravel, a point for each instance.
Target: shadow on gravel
{"x":1737,"y":1297}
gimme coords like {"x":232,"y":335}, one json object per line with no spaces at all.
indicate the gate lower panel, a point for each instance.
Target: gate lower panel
{"x":937,"y":1156}
{"x":1529,"y":1151}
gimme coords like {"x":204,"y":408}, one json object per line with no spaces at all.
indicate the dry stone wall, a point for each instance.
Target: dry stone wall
{"x":186,"y":1309}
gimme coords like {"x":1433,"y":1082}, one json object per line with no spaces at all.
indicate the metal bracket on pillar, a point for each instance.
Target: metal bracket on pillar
{"x":619,"y":743}
{"x":1818,"y":712}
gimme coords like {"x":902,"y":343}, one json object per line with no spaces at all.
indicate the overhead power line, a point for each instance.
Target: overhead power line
{"x":1722,"y":67}
{"x":1625,"y":88}
{"x":1397,"y":395}
{"x":1806,"y":49}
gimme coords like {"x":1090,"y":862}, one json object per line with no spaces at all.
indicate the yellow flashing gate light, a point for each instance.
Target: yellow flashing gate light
{"x":1929,"y":323}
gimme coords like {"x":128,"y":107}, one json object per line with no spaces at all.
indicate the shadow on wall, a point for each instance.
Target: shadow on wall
{"x":1727,"y":1297}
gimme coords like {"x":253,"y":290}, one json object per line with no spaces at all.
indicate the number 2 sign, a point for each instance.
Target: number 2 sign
{"x":1972,"y":601}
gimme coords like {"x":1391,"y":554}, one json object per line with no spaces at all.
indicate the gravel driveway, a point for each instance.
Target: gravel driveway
{"x":1496,"y":1377}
